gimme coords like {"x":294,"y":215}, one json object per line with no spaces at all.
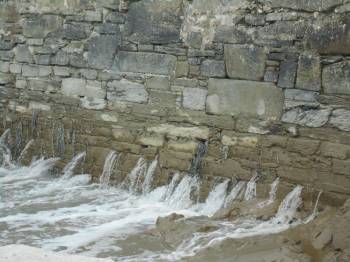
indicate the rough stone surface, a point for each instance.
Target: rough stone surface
{"x":40,"y":26}
{"x":341,"y":119}
{"x":245,"y":62}
{"x":309,"y":118}
{"x":309,"y":72}
{"x":102,"y":49}
{"x":335,"y":78}
{"x":213,"y":68}
{"x":235,"y":97}
{"x":306,"y":5}
{"x":23,"y":54}
{"x":159,"y":64}
{"x":127,"y":91}
{"x":194,"y":98}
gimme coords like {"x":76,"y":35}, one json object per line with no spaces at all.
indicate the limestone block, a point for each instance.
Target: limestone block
{"x":45,"y":85}
{"x":307,"y":117}
{"x":194,"y":98}
{"x":15,"y":68}
{"x":40,"y":26}
{"x":23,"y":54}
{"x":93,"y":103}
{"x":4,"y":67}
{"x":213,"y":68}
{"x":154,"y":21}
{"x":75,"y":31}
{"x":6,"y":78}
{"x":234,"y":97}
{"x":341,"y":119}
{"x":334,"y":150}
{"x":127,"y":91}
{"x":158,"y":82}
{"x":94,"y":89}
{"x":245,"y":62}
{"x":181,"y":131}
{"x":309,"y":72}
{"x":181,"y":69}
{"x":335,"y":78}
{"x":287,"y":73}
{"x":73,"y":87}
{"x":300,"y":95}
{"x":148,"y":63}
{"x":61,"y":71}
{"x":102,"y":49}
{"x":93,"y":16}
{"x":305,"y":5}
{"x":151,"y":140}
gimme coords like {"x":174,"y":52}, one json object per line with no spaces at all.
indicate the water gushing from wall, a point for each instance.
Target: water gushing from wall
{"x":109,"y":165}
{"x":250,"y":192}
{"x":68,"y":170}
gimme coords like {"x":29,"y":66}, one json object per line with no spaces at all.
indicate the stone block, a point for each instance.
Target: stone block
{"x":158,"y":82}
{"x":196,"y":132}
{"x":245,"y":62}
{"x":300,"y":95}
{"x":302,"y":146}
{"x":88,"y":74}
{"x":61,"y":71}
{"x":23,"y":54}
{"x":93,"y":103}
{"x":94,"y":89}
{"x":181,"y":69}
{"x":154,"y":21}
{"x":151,"y":140}
{"x":335,"y":78}
{"x":102,"y":50}
{"x":40,"y":26}
{"x":334,"y":150}
{"x":15,"y":68}
{"x":231,"y":34}
{"x":287,"y":73}
{"x":4,"y":67}
{"x":60,"y":58}
{"x":30,"y":71}
{"x":234,"y":97}
{"x":148,"y":63}
{"x":74,"y":87}
{"x":213,"y":68}
{"x":6,"y":55}
{"x":44,"y":85}
{"x":309,"y":72}
{"x":341,"y":119}
{"x":307,"y":117}
{"x":305,"y":5}
{"x":6,"y":79}
{"x":341,"y":167}
{"x":75,"y":31}
{"x":126,"y":91}
{"x":78,"y":60}
{"x":93,"y":16}
{"x":194,"y":98}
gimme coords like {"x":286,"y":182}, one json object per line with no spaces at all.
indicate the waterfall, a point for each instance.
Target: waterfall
{"x":132,"y":180}
{"x":216,"y":198}
{"x":181,"y":197}
{"x":171,"y":187}
{"x":234,"y":193}
{"x":272,"y":194}
{"x":250,"y":192}
{"x":149,"y":176}
{"x":110,"y":163}
{"x":68,"y":170}
{"x":24,"y":151}
{"x":289,"y":206}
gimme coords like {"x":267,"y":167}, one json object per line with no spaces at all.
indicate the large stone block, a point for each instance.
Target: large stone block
{"x":75,"y":31}
{"x":154,"y":21}
{"x":335,"y":78}
{"x":234,"y":97}
{"x":213,"y":68}
{"x":102,"y":50}
{"x":23,"y":54}
{"x":245,"y":62}
{"x":127,"y":91}
{"x":329,"y":35}
{"x":77,"y":87}
{"x":148,"y":63}
{"x":309,"y":72}
{"x":307,"y":117}
{"x":194,"y":98}
{"x":40,"y":26}
{"x":305,"y":5}
{"x":341,"y":119}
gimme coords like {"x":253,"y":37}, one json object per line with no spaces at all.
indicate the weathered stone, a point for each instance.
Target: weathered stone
{"x":94,"y":89}
{"x":110,"y":4}
{"x":159,"y":64}
{"x":115,"y":17}
{"x":335,"y":150}
{"x":213,"y":68}
{"x":271,"y":75}
{"x":73,"y":87}
{"x":254,"y":20}
{"x":234,"y":97}
{"x":181,"y":131}
{"x":6,"y":55}
{"x":287,"y":74}
{"x":43,"y":85}
{"x":245,"y":62}
{"x":341,"y":119}
{"x":40,"y":26}
{"x":127,"y":91}
{"x":88,"y":74}
{"x":78,"y":60}
{"x":335,"y":78}
{"x":93,"y":16}
{"x":102,"y":49}
{"x":330,"y":35}
{"x":305,"y":5}
{"x":181,"y":69}
{"x":4,"y":67}
{"x":309,"y":72}
{"x":61,"y":71}
{"x":15,"y":68}
{"x":300,"y":95}
{"x":307,"y":117}
{"x":231,"y":35}
{"x":61,"y":58}
{"x":151,"y":140}
{"x":194,"y":98}
{"x":158,"y":82}
{"x":108,"y":28}
{"x":280,"y":32}
{"x":43,"y":59}
{"x":23,"y":54}
{"x":155,"y":22}
{"x":6,"y":78}
{"x":75,"y":31}
{"x":93,"y":103}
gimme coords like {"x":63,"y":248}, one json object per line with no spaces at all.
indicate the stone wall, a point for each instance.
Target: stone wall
{"x":266,"y":83}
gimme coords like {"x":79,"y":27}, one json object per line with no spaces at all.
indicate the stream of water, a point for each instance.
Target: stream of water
{"x":67,"y":213}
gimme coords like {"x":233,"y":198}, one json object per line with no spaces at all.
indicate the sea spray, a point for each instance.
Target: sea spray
{"x":68,"y":170}
{"x":109,"y":165}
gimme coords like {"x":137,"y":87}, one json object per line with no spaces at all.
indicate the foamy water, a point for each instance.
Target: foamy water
{"x":68,"y":213}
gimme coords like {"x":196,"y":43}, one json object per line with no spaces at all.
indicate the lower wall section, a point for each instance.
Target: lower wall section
{"x":319,"y":159}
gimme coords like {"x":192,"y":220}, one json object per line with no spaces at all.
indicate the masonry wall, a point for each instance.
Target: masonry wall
{"x":265,"y":83}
